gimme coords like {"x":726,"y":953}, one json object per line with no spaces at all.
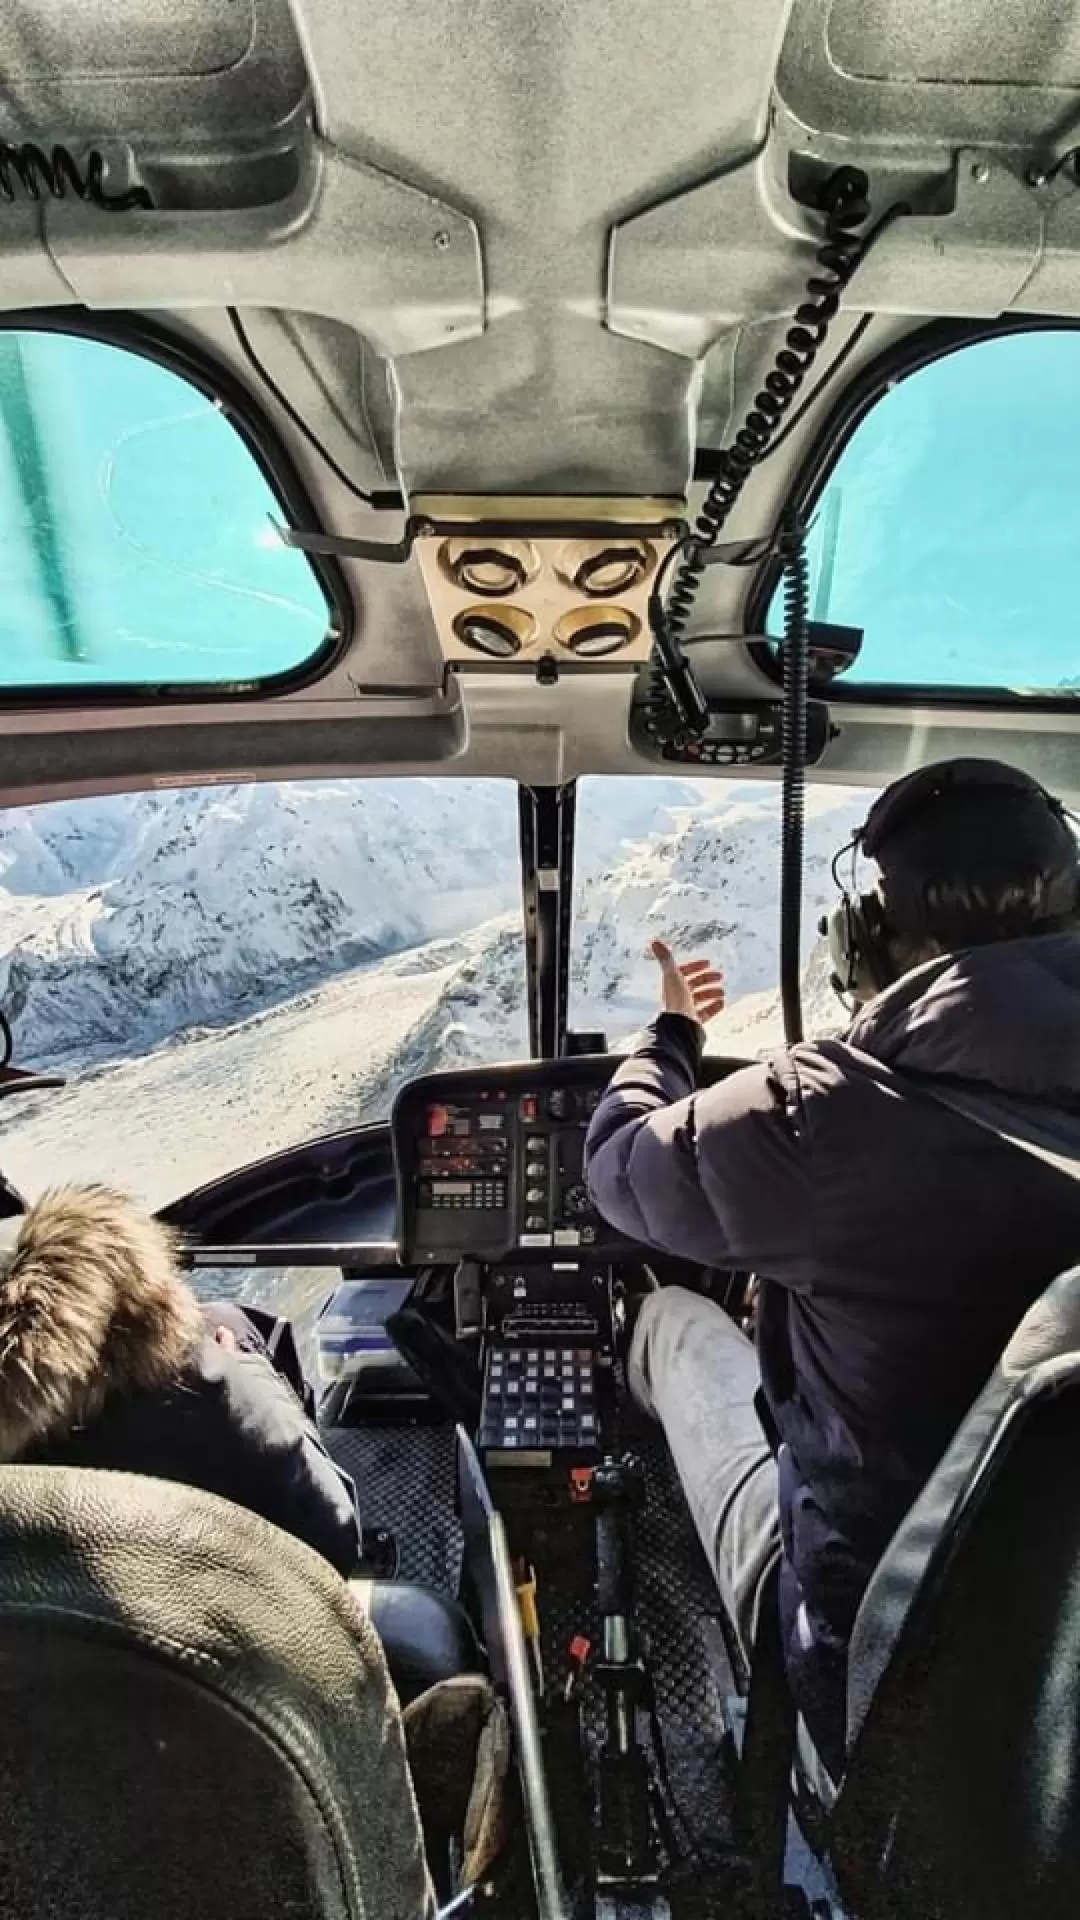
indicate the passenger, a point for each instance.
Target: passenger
{"x":107,"y":1360}
{"x":898,"y":1242}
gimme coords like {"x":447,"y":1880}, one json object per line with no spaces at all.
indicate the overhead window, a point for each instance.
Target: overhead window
{"x":137,"y":548}
{"x":946,"y":529}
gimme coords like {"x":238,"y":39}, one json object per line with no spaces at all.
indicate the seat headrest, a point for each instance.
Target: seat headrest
{"x":1042,"y":1356}
{"x":160,"y":1647}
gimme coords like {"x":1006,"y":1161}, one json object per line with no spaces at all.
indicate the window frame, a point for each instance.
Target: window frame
{"x":907,"y":358}
{"x":228,"y":394}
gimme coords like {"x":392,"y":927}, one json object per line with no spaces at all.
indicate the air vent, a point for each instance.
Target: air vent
{"x":497,"y":634}
{"x":493,"y":568}
{"x":559,"y":585}
{"x":595,"y":633}
{"x":600,"y":571}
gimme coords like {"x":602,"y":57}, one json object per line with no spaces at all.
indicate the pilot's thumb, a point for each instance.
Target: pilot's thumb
{"x":664,"y":955}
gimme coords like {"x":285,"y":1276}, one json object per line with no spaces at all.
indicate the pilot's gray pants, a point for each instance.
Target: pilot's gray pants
{"x":692,"y":1368}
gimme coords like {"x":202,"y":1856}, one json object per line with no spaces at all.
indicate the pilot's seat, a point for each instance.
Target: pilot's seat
{"x":962,"y":1790}
{"x":196,"y":1718}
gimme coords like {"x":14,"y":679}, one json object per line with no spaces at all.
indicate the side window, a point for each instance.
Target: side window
{"x":945,"y":528}
{"x":136,"y":543}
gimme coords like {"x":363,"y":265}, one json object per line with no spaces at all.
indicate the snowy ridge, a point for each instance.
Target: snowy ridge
{"x":147,"y":914}
{"x":225,"y":972}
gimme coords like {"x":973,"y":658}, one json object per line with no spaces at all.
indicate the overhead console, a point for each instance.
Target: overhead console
{"x":489,"y":1163}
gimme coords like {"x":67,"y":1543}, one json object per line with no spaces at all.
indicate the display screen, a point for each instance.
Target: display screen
{"x":732,"y":726}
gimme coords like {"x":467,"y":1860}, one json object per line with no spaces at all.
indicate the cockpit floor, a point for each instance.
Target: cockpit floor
{"x":680,"y":1618}
{"x":406,"y":1482}
{"x":680,"y":1626}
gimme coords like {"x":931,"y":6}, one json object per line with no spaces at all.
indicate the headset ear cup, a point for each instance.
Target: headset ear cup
{"x":876,"y":968}
{"x":859,"y":959}
{"x":838,"y":929}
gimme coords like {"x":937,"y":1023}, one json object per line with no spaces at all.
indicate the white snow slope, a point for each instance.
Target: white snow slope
{"x":224,"y":972}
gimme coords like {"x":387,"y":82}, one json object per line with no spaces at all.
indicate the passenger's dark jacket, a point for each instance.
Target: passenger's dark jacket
{"x":233,"y":1427}
{"x":901,"y":1242}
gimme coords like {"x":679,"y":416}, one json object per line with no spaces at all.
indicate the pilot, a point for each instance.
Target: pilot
{"x":107,"y":1360}
{"x":897,"y":1241}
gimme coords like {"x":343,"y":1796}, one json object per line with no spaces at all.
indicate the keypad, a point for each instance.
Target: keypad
{"x":720,"y":753}
{"x":539,"y":1397}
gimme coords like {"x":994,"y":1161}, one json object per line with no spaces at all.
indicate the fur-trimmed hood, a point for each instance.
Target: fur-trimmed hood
{"x":91,"y":1303}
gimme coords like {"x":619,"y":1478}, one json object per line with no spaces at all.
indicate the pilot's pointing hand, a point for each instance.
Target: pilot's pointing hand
{"x":695,"y":988}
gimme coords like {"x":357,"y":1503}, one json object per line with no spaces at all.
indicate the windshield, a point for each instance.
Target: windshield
{"x":223,"y":972}
{"x":696,"y":863}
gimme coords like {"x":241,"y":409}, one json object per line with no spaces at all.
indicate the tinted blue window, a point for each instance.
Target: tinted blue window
{"x":947,"y":529}
{"x":136,"y":544}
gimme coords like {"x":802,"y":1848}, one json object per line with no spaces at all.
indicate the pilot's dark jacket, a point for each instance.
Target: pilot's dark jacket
{"x":232,"y":1426}
{"x":901,"y":1242}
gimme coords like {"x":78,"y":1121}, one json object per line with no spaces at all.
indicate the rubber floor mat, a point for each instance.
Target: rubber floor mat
{"x":679,"y":1612}
{"x":679,"y":1619}
{"x":406,"y":1480}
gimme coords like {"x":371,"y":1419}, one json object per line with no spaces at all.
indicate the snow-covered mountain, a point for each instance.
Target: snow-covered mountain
{"x":129,"y":919}
{"x":224,"y":971}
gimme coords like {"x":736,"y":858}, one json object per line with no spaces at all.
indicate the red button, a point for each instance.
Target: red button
{"x":528,"y":1106}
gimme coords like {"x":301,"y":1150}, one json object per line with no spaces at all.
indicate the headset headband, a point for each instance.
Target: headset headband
{"x":905,"y":798}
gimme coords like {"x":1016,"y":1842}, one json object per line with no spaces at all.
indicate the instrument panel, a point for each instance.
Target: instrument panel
{"x":489,"y":1162}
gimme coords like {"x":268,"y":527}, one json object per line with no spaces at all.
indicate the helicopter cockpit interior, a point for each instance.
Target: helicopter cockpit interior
{"x":482,"y":487}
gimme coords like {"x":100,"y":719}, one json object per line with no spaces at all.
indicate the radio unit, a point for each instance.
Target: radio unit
{"x":739,"y":733}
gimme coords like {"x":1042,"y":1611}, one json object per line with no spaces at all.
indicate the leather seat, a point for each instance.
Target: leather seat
{"x":196,"y":1717}
{"x":961,"y":1794}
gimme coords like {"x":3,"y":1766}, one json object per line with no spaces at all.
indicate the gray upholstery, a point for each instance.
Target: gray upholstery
{"x":1043,"y":1354}
{"x":195,"y":1716}
{"x":961,"y":1794}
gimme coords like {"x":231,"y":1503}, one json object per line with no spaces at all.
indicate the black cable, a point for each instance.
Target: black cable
{"x":842,"y":356}
{"x":384,"y":499}
{"x":845,"y":206}
{"x":55,"y":174}
{"x":709,"y":458}
{"x":796,"y":660}
{"x":7,"y":1040}
{"x":1043,"y":176}
{"x":844,"y":353}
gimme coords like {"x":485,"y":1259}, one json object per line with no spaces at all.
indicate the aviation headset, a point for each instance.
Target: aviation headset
{"x":858,"y":928}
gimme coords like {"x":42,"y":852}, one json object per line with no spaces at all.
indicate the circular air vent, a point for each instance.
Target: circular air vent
{"x":591,"y":633}
{"x":498,"y":635}
{"x":600,"y":571}
{"x":493,"y":568}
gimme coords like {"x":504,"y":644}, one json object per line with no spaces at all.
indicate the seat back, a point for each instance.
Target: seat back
{"x":195,"y":1718}
{"x":962,"y":1793}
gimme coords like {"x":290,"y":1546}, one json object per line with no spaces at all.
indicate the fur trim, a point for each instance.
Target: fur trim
{"x":91,"y":1303}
